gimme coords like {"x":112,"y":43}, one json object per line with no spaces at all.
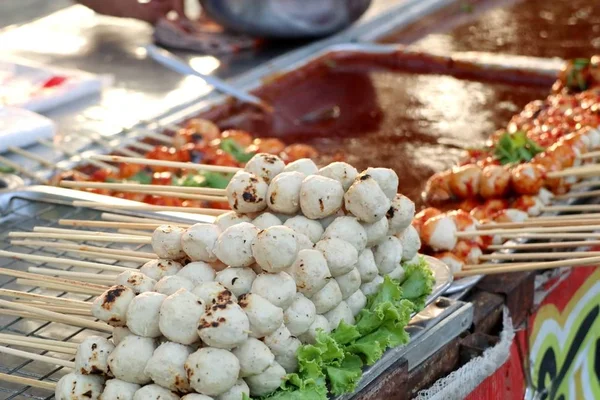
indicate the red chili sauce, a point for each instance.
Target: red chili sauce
{"x":413,"y":122}
{"x":538,"y":28}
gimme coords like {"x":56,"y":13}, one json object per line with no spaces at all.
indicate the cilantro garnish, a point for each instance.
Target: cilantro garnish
{"x":232,"y":147}
{"x":516,"y":147}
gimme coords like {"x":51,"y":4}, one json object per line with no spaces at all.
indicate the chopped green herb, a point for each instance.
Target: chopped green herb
{"x":232,"y":147}
{"x":6,"y":170}
{"x":515,"y":148}
{"x":204,"y":179}
{"x":142,"y":177}
{"x":575,"y":79}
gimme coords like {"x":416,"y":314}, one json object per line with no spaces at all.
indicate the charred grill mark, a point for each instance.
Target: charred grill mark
{"x":111,"y":296}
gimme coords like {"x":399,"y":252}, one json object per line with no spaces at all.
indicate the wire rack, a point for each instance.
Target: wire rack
{"x":21,"y":212}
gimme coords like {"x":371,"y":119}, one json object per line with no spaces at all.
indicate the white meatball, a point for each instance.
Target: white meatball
{"x":230,"y":218}
{"x":170,"y":284}
{"x":545,"y":196}
{"x":278,"y":288}
{"x":341,"y":312}
{"x":158,"y":269}
{"x":254,"y":357}
{"x":116,"y":389}
{"x":348,"y":229}
{"x":76,"y":386}
{"x":388,"y":254}
{"x":212,"y":371}
{"x":120,"y":333}
{"x":266,"y":382}
{"x":320,"y":323}
{"x":310,"y":272}
{"x":397,"y":274}
{"x":357,"y":301}
{"x":320,"y":196}
{"x":305,"y":226}
{"x":400,"y":214}
{"x":452,"y":261}
{"x":236,"y":392}
{"x":224,"y":326}
{"x":372,"y":287}
{"x":341,"y":256}
{"x":349,"y":282}
{"x":366,"y":266}
{"x":303,"y":242}
{"x":283,"y":195}
{"x":365,"y":200}
{"x":199,"y":240}
{"x":275,"y":248}
{"x":143,"y":312}
{"x":328,"y":297}
{"x":92,"y":355}
{"x":196,"y":396}
{"x":198,"y":272}
{"x":386,"y":178}
{"x":135,"y":280}
{"x":179,"y":315}
{"x":264,"y":165}
{"x":325,"y":222}
{"x":165,"y":367}
{"x":266,"y":220}
{"x":303,"y":165}
{"x":376,"y":232}
{"x":439,"y":233}
{"x":279,"y":340}
{"x":340,"y":171}
{"x":288,"y":358}
{"x":213,"y":293}
{"x":300,"y":315}
{"x":263,"y":316}
{"x":410,"y":241}
{"x":166,"y":242}
{"x":111,"y":306}
{"x":128,"y":360}
{"x":247,"y":193}
{"x":237,"y":280}
{"x":234,"y":245}
{"x":154,"y":392}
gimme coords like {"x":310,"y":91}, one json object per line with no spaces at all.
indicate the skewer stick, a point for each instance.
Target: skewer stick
{"x":499,"y":269}
{"x":134,"y":232}
{"x":179,"y":195}
{"x":77,"y":321}
{"x":23,"y":343}
{"x":24,"y":171}
{"x":150,"y":207}
{"x":73,"y":153}
{"x":110,"y":224}
{"x":63,"y":230}
{"x":578,"y":195}
{"x":27,"y":381}
{"x":589,"y":154}
{"x":47,"y":299}
{"x":163,"y":163}
{"x":568,"y":216}
{"x":82,"y":238}
{"x":126,"y":186}
{"x":127,"y":218}
{"x":63,"y":261}
{"x":59,"y":286}
{"x":166,"y":139}
{"x":542,"y":256}
{"x":531,"y":229}
{"x":552,"y":236}
{"x":585,"y":184}
{"x":589,"y":170}
{"x":32,"y":156}
{"x":536,"y":222}
{"x":66,"y":282}
{"x":37,"y":357}
{"x":62,"y":310}
{"x":574,"y":207}
{"x":31,"y":339}
{"x":545,"y":245}
{"x":72,"y":274}
{"x":74,"y":247}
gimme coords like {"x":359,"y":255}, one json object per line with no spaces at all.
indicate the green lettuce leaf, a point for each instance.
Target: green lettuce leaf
{"x":204,"y":179}
{"x":230,"y":146}
{"x":418,"y":283}
{"x":343,"y":379}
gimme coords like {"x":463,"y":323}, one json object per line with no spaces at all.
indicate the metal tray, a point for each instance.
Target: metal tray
{"x":21,"y":210}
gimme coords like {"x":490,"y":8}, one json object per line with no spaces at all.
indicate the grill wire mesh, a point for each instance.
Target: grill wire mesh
{"x":22,"y":214}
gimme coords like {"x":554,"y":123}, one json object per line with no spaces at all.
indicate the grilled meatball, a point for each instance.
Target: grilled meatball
{"x":135,"y":280}
{"x":154,"y":392}
{"x":341,"y":256}
{"x":310,"y":335}
{"x":267,"y":381}
{"x":266,"y":220}
{"x":111,"y":306}
{"x":198,"y":272}
{"x":76,"y":386}
{"x":264,"y":165}
{"x":263,"y":316}
{"x":230,"y":218}
{"x":528,"y":178}
{"x":199,"y":240}
{"x":310,"y":272}
{"x":237,"y":280}
{"x":224,"y":326}
{"x":410,"y":241}
{"x":320,"y":196}
{"x":339,"y":313}
{"x":340,"y":171}
{"x":92,"y":355}
{"x":372,"y":287}
{"x":116,"y":389}
{"x":275,"y":248}
{"x":254,"y":357}
{"x":328,"y":297}
{"x":283,"y":195}
{"x":439,"y":233}
{"x":179,"y":315}
{"x":300,"y":315}
{"x":158,"y":269}
{"x":387,"y":180}
{"x":236,"y":392}
{"x":120,"y":333}
{"x":247,"y":193}
{"x":170,"y":284}
{"x":234,"y":245}
{"x":388,"y":254}
{"x":349,"y":282}
{"x":376,"y":232}
{"x":400,"y":214}
{"x":366,"y":200}
{"x":309,"y":227}
{"x":165,"y":367}
{"x":465,"y":181}
{"x":213,"y":293}
{"x":212,"y":371}
{"x":278,"y":288}
{"x":357,"y":301}
{"x":128,"y":360}
{"x":166,"y":242}
{"x":142,"y":314}
{"x":366,"y":266}
{"x":303,"y":165}
{"x":495,"y":182}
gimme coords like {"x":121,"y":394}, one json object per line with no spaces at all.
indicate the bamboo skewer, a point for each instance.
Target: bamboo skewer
{"x":82,"y":238}
{"x":110,"y":224}
{"x":60,"y":286}
{"x":85,"y":249}
{"x":31,"y":339}
{"x":163,"y":163}
{"x":37,"y":357}
{"x":543,"y":229}
{"x":552,"y":236}
{"x":542,"y":256}
{"x":62,"y":261}
{"x":134,"y":232}
{"x":24,"y":171}
{"x":539,"y":223}
{"x":45,"y":229}
{"x":57,"y":317}
{"x":27,"y":381}
{"x":590,"y":154}
{"x":61,"y":301}
{"x":150,"y":207}
{"x":59,"y":309}
{"x":574,"y":207}
{"x":567,"y":216}
{"x":50,"y":279}
{"x":23,"y":343}
{"x":545,"y":245}
{"x":578,"y":195}
{"x":71,"y":274}
{"x":127,"y":218}
{"x":126,"y":186}
{"x":499,"y":269}
{"x":589,"y":170}
{"x":585,"y":184}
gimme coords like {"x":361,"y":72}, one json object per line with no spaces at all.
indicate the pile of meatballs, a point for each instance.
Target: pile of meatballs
{"x":225,"y":308}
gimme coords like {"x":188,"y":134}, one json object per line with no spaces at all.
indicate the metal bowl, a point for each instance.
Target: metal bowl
{"x":285,"y":19}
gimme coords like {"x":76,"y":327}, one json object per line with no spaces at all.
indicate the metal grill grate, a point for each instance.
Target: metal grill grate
{"x":21,"y":212}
